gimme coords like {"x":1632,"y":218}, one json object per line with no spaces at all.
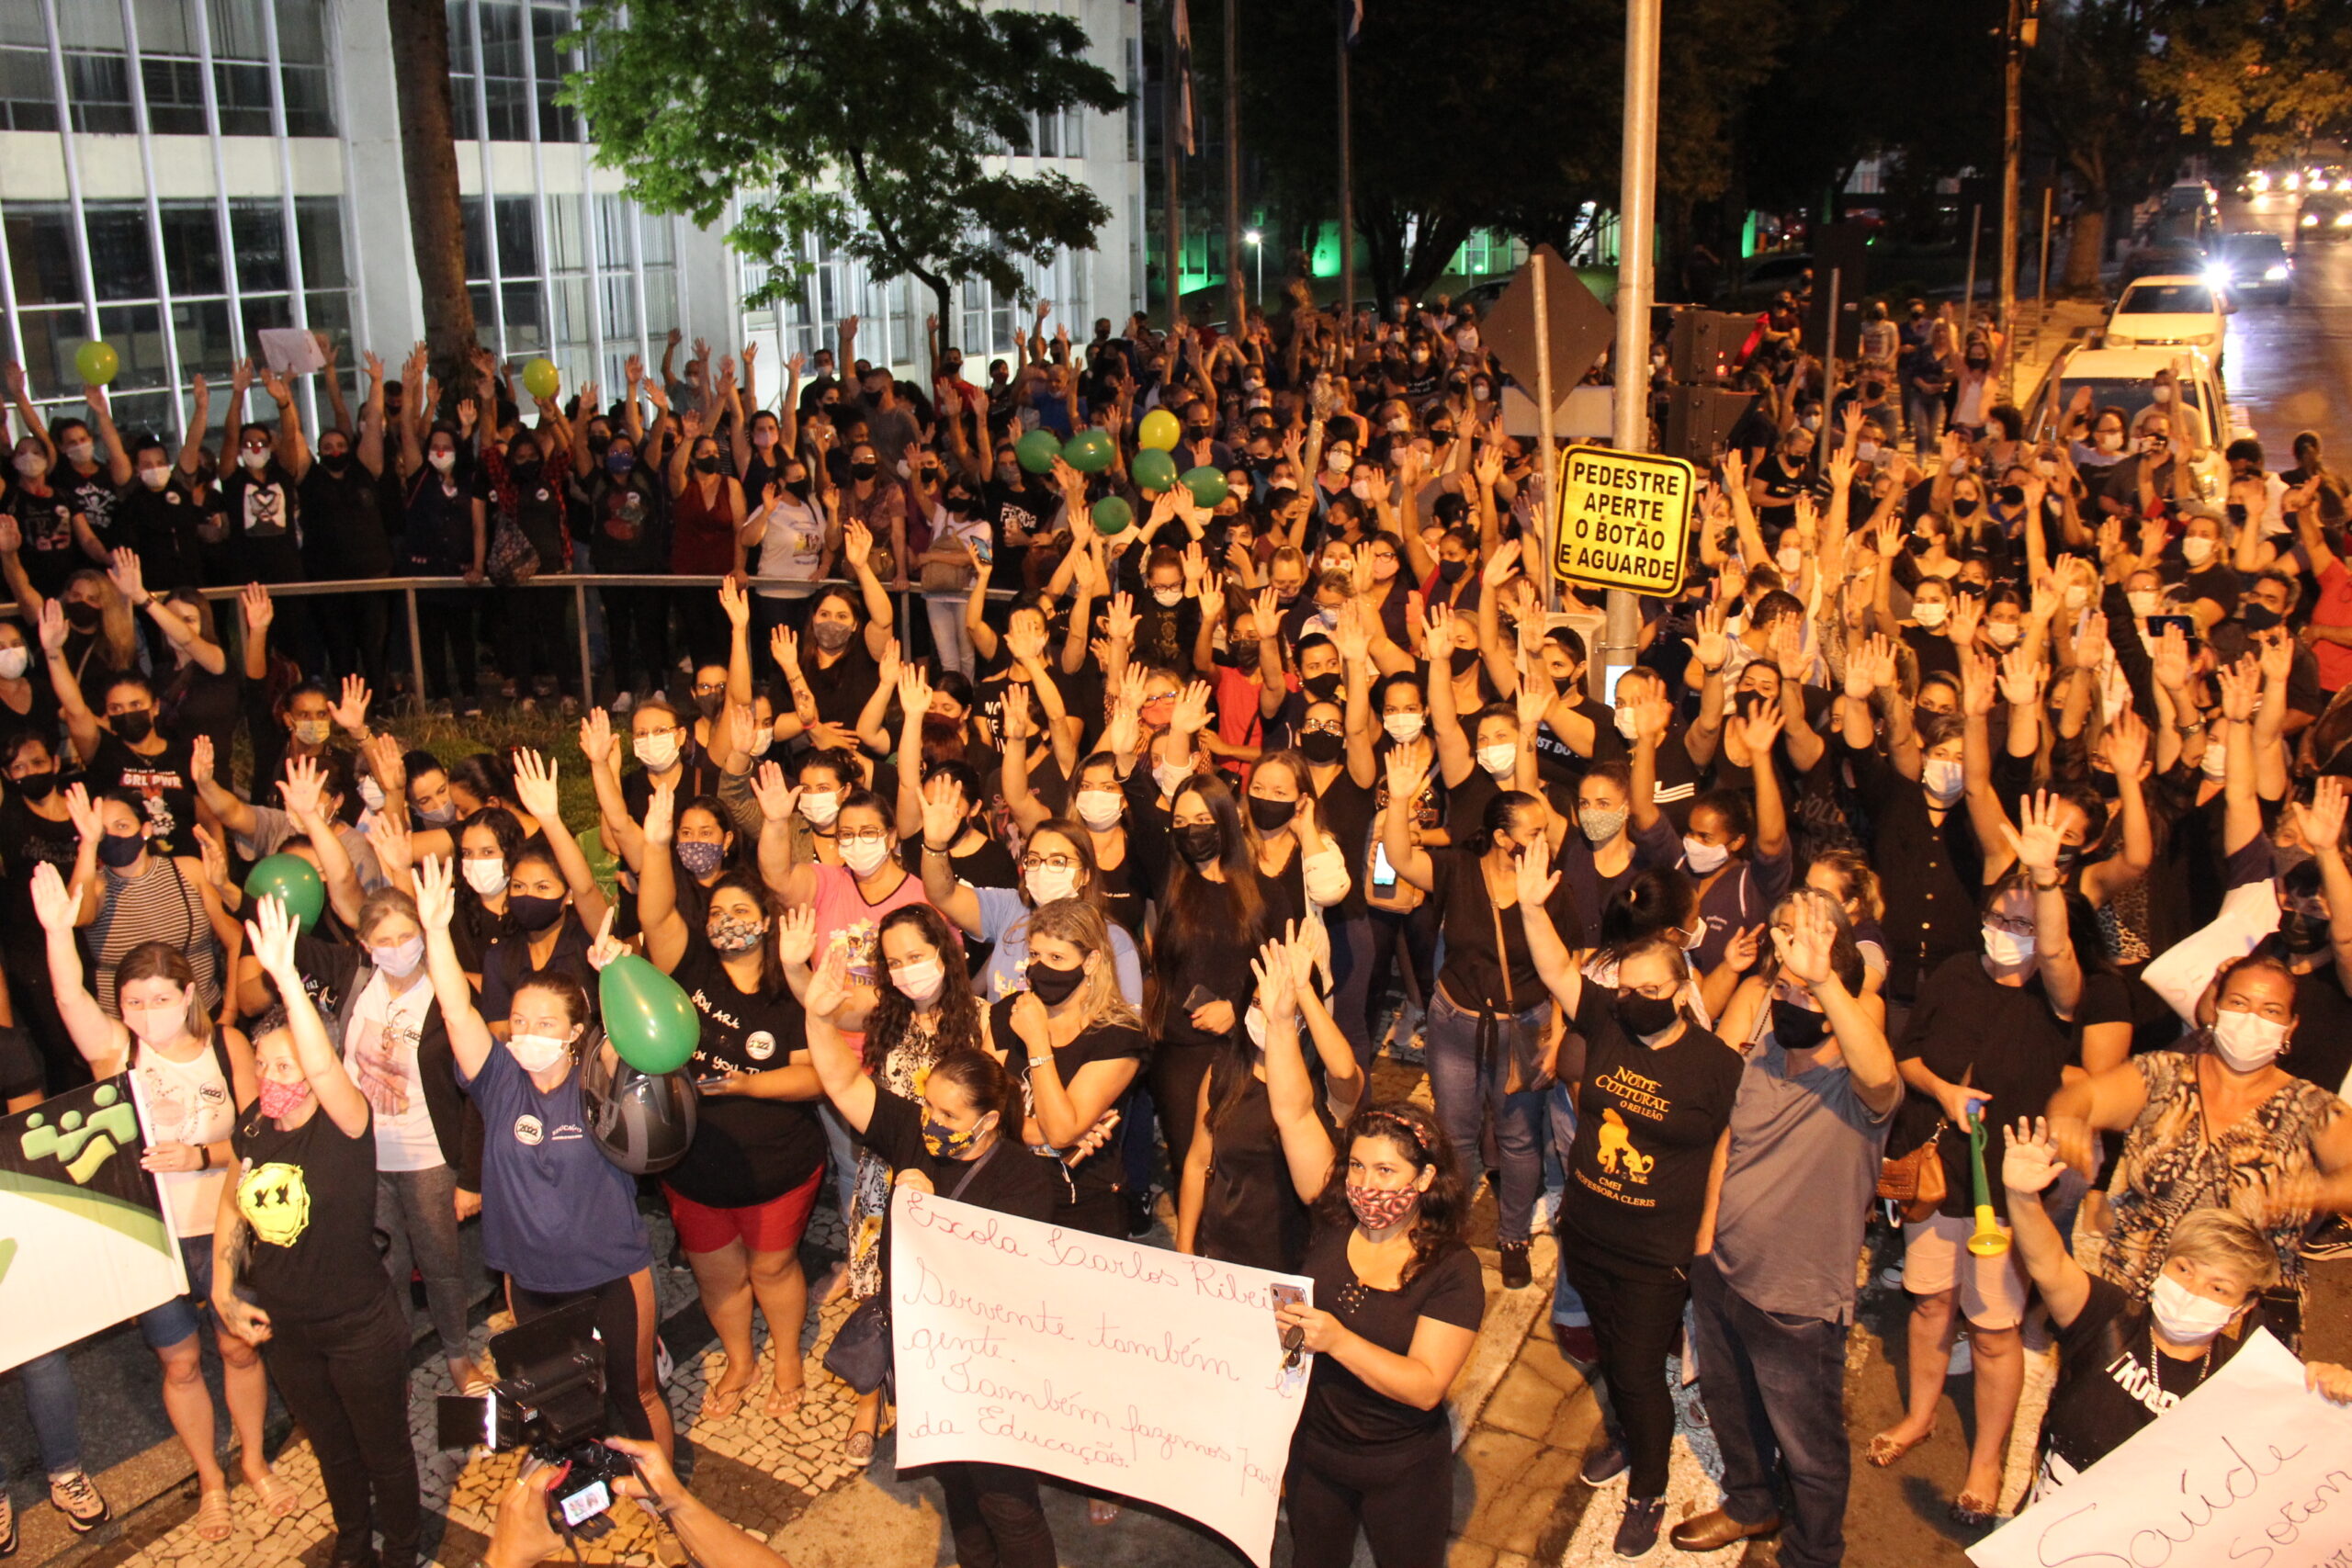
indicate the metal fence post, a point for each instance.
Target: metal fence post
{"x":587,"y":671}
{"x":415,"y":647}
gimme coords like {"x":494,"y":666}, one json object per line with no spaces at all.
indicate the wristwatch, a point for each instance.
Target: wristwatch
{"x":1036,"y":1062}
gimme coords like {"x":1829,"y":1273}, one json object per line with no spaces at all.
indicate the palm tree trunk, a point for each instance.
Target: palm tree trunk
{"x":429,"y":157}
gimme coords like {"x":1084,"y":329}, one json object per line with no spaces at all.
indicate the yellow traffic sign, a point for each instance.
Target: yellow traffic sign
{"x":1624,"y":520}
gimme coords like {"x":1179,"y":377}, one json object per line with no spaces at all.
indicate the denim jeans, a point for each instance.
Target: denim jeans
{"x":1775,"y":1386}
{"x":1465,"y":1096}
{"x":55,"y":1409}
{"x":1560,"y":1106}
{"x":417,"y":1210}
{"x":1926,"y":413}
{"x":950,"y":638}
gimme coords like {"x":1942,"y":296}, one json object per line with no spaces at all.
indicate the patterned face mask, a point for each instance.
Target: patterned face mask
{"x":701,"y":857}
{"x":1377,"y":1209}
{"x":731,"y":934}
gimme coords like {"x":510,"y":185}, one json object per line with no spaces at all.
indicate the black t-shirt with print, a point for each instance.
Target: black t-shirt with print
{"x":95,"y":495}
{"x":309,"y":1196}
{"x":745,"y":1151}
{"x":1101,"y":1042}
{"x":161,"y":783}
{"x":1647,"y":1121}
{"x":27,"y":839}
{"x":2105,"y":1392}
{"x":45,"y":524}
{"x":161,"y":526}
{"x":1341,"y":1409}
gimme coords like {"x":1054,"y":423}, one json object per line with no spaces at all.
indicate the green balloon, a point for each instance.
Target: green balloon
{"x":540,"y":379}
{"x":1112,"y":515}
{"x":649,"y":1017}
{"x":1160,"y":430}
{"x":97,"y":362}
{"x":1038,"y":451}
{"x":292,"y":881}
{"x":1089,"y":451}
{"x":1154,"y":470}
{"x":1206,"y":484}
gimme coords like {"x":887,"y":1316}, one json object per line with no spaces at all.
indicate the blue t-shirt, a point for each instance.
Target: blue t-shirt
{"x":556,"y":1213}
{"x":1004,"y":921}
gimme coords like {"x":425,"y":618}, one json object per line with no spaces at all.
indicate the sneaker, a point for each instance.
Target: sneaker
{"x":1517,"y":1275}
{"x":623,"y":700}
{"x":1140,"y":1216}
{"x":1579,"y":1343}
{"x":1637,"y":1532}
{"x":1891,"y":1275}
{"x":2329,"y":1240}
{"x":75,"y":1495}
{"x":1604,"y":1465}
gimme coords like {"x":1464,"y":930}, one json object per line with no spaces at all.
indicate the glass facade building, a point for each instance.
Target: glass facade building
{"x":178,"y":175}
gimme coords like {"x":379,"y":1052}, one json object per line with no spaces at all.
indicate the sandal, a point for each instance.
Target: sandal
{"x":1974,"y":1512}
{"x":1885,"y":1449}
{"x":213,"y":1522}
{"x":719,"y":1403}
{"x":278,"y":1499}
{"x":783,"y":1403}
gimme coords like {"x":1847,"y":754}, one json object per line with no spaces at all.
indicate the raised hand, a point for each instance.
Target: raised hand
{"x":2320,"y":823}
{"x":2021,"y":678}
{"x":270,"y":938}
{"x":661,"y":816}
{"x":2169,"y":659}
{"x":829,"y":988}
{"x":125,"y":572}
{"x":1712,"y":645}
{"x":785,"y":648}
{"x":387,"y":835}
{"x":436,"y":903}
{"x":2127,"y":742}
{"x":1745,"y":945}
{"x":735,"y":603}
{"x":1120,"y":620}
{"x":351,"y":714}
{"x":56,"y":905}
{"x":597,"y":742}
{"x":199,"y":759}
{"x":1191,"y":714}
{"x":1976,"y":683}
{"x":777,"y":799}
{"x":301,"y":786}
{"x":84,"y":813}
{"x":604,"y":949}
{"x":944,"y":810}
{"x":1967,"y":613}
{"x":534,"y":788}
{"x":2090,"y":641}
{"x":213,"y":855}
{"x":1409,"y":774}
{"x":2029,"y":1158}
{"x":915,"y":691}
{"x":256,"y":602}
{"x":1804,"y":946}
{"x":2035,"y":840}
{"x":52,"y":627}
{"x":2240,"y":686}
{"x":796,"y":935}
{"x":1763,"y":725}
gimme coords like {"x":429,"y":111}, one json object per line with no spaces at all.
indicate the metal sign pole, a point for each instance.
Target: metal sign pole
{"x":1637,"y":180}
{"x":1546,"y":512}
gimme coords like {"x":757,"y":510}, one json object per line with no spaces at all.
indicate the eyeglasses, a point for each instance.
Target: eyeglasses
{"x":1321,"y":727}
{"x":2010,"y":924}
{"x":861,"y":836}
{"x":1046,"y":863}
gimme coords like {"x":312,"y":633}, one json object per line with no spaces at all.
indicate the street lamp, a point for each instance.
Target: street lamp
{"x":1257,"y":242}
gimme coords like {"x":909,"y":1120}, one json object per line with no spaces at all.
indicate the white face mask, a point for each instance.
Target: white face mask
{"x":2002,"y":634}
{"x":1048,"y":882}
{"x":2216,"y":760}
{"x":534,"y":1054}
{"x":486,"y":876}
{"x":1944,"y":778}
{"x":1167,"y":598}
{"x":1702,"y":858}
{"x":865,"y":857}
{"x":2196,"y":549}
{"x":1403,"y":728}
{"x":1099,"y":808}
{"x":155,"y":477}
{"x":820,"y":808}
{"x":2143,"y":601}
{"x":13,"y":662}
{"x":1866,"y":452}
{"x":919,"y":982}
{"x":1254,"y":1021}
{"x":2077,"y":596}
{"x":1792,"y":562}
{"x":257,"y":462}
{"x":1930,"y":613}
{"x":2161,"y":394}
{"x":2110,"y":441}
{"x":371,"y":793}
{"x":2008,"y":949}
{"x":1627,"y":725}
{"x":762,"y":741}
{"x":80,"y":452}
{"x":442,"y":461}
{"x":1498,"y":758}
{"x":2246,"y":1041}
{"x":2182,"y":1315}
{"x":1338,"y":462}
{"x":656,"y":751}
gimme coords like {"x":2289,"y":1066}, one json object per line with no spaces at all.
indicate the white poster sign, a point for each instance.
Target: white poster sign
{"x":2251,"y":1470}
{"x":1129,"y":1368}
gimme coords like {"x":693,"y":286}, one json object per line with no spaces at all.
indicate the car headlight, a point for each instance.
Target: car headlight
{"x":2309,"y":220}
{"x":2218,"y":275}
{"x":2274,"y":275}
{"x":2344,"y":220}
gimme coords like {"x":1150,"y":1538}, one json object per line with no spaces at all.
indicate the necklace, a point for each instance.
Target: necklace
{"x":2155,"y":1361}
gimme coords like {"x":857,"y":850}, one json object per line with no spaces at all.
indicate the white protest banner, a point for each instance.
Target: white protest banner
{"x":2251,"y":1470}
{"x":1132,"y":1369}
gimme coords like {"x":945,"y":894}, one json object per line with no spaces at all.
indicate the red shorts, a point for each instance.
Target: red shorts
{"x":773,"y":1226}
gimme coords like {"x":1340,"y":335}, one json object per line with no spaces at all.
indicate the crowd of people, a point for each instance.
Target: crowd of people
{"x":1990,"y":793}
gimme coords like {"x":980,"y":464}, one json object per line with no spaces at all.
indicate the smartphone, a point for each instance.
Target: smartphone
{"x":1383,"y":875}
{"x":1294,"y":1341}
{"x":2157,"y":625}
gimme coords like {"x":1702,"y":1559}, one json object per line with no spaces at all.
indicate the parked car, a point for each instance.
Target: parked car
{"x":2170,"y":310}
{"x":2255,"y":264}
{"x":2164,"y":256}
{"x":2126,"y":378}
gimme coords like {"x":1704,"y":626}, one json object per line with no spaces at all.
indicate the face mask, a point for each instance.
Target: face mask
{"x":1322,"y":748}
{"x":762,"y":438}
{"x":701,"y":857}
{"x":1796,"y":1026}
{"x":798,"y":488}
{"x":2303,"y":935}
{"x":281,"y":1102}
{"x":1048,"y":882}
{"x":534,"y":911}
{"x":1199,"y":842}
{"x":1703,"y":859}
{"x":2182,"y":1315}
{"x":2196,"y":549}
{"x":919,"y":981}
{"x":820,"y":808}
{"x":1944,"y":778}
{"x":1100,"y":808}
{"x":1338,"y":462}
{"x":439,"y":816}
{"x":155,"y":477}
{"x":1963,"y":506}
{"x":1638,"y":1014}
{"x":945,"y":1142}
{"x":865,"y":858}
{"x":401,"y":959}
{"x":1167,"y":598}
{"x":2161,"y":393}
{"x":1450,"y":571}
{"x":731,"y":934}
{"x":1480,"y":391}
{"x":122,"y":849}
{"x":862,"y":471}
{"x":1403,"y":728}
{"x":762,"y":741}
{"x":1627,"y":724}
{"x":312,"y":731}
{"x":486,"y":876}
{"x":2259,"y":618}
{"x":1272,"y":816}
{"x":13,"y":662}
{"x":536,"y":1054}
{"x":1599,"y":827}
{"x":254,"y":461}
{"x":2110,"y":441}
{"x":2077,"y":596}
{"x":830,"y":635}
{"x":79,"y":452}
{"x":2002,"y":634}
{"x":1930,"y":613}
{"x":2247,"y":1042}
{"x":32,"y":464}
{"x":656,"y":751}
{"x":2008,"y":949}
{"x":2216,"y":760}
{"x":1866,"y":452}
{"x":442,"y":461}
{"x":2143,"y":601}
{"x":1790,"y":561}
{"x":1055,"y":987}
{"x":35,"y":786}
{"x":1498,"y":758}
{"x":1377,"y":1209}
{"x":615,"y":462}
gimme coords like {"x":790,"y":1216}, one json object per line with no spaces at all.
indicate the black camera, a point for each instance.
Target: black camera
{"x":551,"y":1399}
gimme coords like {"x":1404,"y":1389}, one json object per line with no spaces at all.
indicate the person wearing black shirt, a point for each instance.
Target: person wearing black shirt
{"x":743,"y":1194}
{"x":36,"y":830}
{"x":959,"y":1140}
{"x":2121,"y":1364}
{"x":1989,"y":1037}
{"x":1644,"y":1173}
{"x":295,"y":1268}
{"x":347,"y":535}
{"x":129,"y":754}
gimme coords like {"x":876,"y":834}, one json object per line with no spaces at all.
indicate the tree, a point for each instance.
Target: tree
{"x":2088,"y":96}
{"x":429,"y":163}
{"x":870,"y":125}
{"x":2274,"y":75}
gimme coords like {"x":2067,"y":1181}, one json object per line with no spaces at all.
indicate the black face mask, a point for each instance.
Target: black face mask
{"x":2304,"y":934}
{"x":335,"y":463}
{"x":1321,"y":748}
{"x":1243,"y":657}
{"x":1963,"y":506}
{"x":1272,"y":815}
{"x":706,"y":465}
{"x":35,"y":786}
{"x":798,"y":488}
{"x":1638,"y":1014}
{"x":1054,"y":986}
{"x":2259,"y":618}
{"x":133,"y":727}
{"x":960,"y":505}
{"x":532,"y":911}
{"x":1450,"y":571}
{"x":1322,"y":688}
{"x":1464,"y":660}
{"x":80,"y":616}
{"x":2010,"y":496}
{"x":1200,"y":842}
{"x":707,"y":703}
{"x":122,"y":849}
{"x":862,"y":471}
{"x":1796,"y":1026}
{"x":951,"y":369}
